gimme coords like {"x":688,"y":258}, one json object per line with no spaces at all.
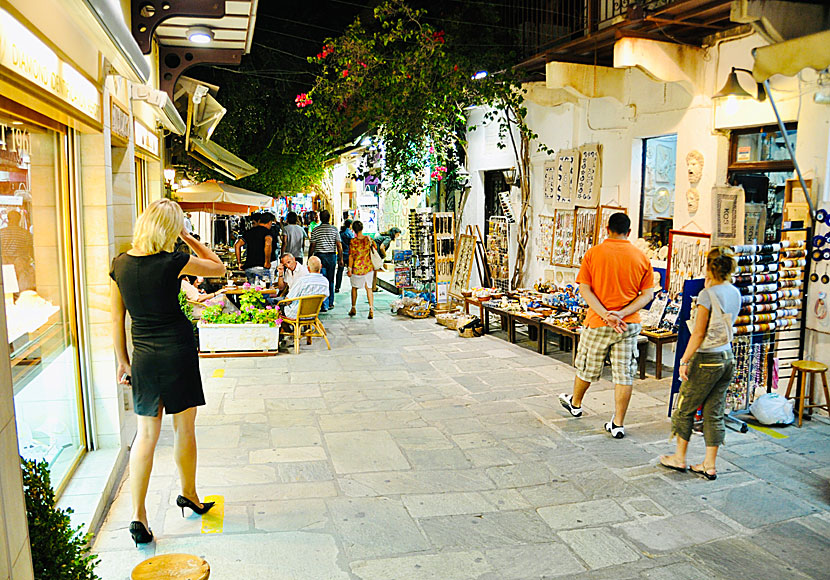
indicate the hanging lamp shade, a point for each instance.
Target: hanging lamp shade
{"x":732,"y":88}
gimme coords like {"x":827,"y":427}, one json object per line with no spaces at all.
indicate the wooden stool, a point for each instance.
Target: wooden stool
{"x":811,"y":369}
{"x":172,"y":567}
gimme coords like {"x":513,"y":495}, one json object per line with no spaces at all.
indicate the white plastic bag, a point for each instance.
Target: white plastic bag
{"x":772,"y":408}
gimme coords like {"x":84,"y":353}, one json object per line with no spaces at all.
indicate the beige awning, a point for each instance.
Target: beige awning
{"x":220,"y":198}
{"x":220,"y":159}
{"x":163,"y":107}
{"x":792,"y":56}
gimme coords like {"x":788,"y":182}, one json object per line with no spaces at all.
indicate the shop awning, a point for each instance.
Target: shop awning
{"x":220,"y":198}
{"x":792,"y":56}
{"x":112,"y":22}
{"x":219,"y":159}
{"x":166,"y":113}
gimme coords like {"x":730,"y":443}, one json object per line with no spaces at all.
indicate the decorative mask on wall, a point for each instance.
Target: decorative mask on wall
{"x":694,"y":166}
{"x":692,"y":201}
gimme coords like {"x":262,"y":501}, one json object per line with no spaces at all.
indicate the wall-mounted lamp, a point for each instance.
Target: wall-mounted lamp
{"x":733,"y":92}
{"x":200,"y":35}
{"x":169,"y":175}
{"x":512,"y":176}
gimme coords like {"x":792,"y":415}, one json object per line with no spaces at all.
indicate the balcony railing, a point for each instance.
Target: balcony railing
{"x":542,"y":25}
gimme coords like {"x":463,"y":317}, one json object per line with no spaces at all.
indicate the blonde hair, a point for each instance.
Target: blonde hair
{"x":158,"y":227}
{"x":721,"y":263}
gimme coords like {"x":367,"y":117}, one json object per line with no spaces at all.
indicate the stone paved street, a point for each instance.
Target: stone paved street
{"x":407,"y":453}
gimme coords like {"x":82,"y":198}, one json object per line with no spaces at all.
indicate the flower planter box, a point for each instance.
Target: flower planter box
{"x":238,"y":337}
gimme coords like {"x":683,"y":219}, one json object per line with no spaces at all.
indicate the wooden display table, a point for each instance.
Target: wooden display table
{"x":172,"y":567}
{"x":565,"y":334}
{"x":659,"y":339}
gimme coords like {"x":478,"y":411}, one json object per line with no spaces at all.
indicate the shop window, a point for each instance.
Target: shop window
{"x":36,"y":281}
{"x":657,"y":195}
{"x":141,"y":180}
{"x":759,"y":161}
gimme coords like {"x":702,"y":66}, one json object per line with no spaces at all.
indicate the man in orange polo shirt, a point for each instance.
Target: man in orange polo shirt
{"x":616,"y":281}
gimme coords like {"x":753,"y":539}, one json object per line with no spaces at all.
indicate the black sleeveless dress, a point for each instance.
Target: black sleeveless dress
{"x":165,"y":360}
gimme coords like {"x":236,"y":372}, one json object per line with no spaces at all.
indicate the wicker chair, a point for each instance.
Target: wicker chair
{"x":307,"y":322}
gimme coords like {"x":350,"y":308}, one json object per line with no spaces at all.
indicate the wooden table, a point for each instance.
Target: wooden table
{"x":564,"y":334}
{"x":473,"y":301}
{"x":659,"y":339}
{"x":509,"y":319}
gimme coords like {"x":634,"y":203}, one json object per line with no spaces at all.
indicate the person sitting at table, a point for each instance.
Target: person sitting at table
{"x":289,"y":271}
{"x":312,"y":283}
{"x":191,"y":287}
{"x":259,"y":248}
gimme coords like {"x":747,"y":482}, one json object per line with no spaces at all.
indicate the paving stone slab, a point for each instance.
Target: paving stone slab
{"x":675,"y":532}
{"x":444,"y":566}
{"x":583,"y":514}
{"x":598,"y":547}
{"x":290,"y":516}
{"x":741,"y":559}
{"x":553,"y":493}
{"x":489,"y":530}
{"x":370,"y":421}
{"x":683,"y":571}
{"x":357,"y":452}
{"x":534,"y":561}
{"x":492,"y":456}
{"x":303,"y":436}
{"x":446,"y":504}
{"x":521,"y":475}
{"x":797,"y":544}
{"x":375,"y":527}
{"x":422,"y":438}
{"x":758,"y":504}
{"x":310,"y":556}
{"x":403,"y":482}
{"x":304,"y":471}
{"x":437,"y":459}
{"x":287,"y":455}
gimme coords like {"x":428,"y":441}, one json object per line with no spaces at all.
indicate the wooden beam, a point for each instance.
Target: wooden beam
{"x":681,"y":22}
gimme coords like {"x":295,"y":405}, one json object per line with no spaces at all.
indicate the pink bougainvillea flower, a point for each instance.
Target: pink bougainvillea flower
{"x":363,"y":64}
{"x":345,"y":73}
{"x":302,"y":100}
{"x":246,"y":286}
{"x":432,"y":149}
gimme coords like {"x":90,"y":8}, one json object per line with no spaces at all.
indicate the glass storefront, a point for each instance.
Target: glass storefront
{"x":41,"y":327}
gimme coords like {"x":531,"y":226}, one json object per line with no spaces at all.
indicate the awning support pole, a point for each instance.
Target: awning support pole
{"x":790,"y":150}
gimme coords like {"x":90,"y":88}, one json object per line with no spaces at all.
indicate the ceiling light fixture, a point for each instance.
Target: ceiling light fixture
{"x":200,"y":35}
{"x":733,"y":92}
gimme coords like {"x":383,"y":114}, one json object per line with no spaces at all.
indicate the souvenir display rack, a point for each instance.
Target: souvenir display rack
{"x":770,"y":278}
{"x":444,"y":228}
{"x":686,"y":259}
{"x":563,"y":237}
{"x":585,"y":227}
{"x":498,"y":252}
{"x":544,"y":237}
{"x":422,"y":243}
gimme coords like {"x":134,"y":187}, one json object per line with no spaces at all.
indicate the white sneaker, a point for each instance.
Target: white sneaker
{"x":616,"y":431}
{"x":565,"y":400}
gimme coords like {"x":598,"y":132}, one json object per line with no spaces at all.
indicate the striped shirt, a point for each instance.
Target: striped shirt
{"x":308,"y":285}
{"x":324,"y":237}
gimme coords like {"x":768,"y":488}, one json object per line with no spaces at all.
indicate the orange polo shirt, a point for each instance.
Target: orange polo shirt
{"x":617,"y":272}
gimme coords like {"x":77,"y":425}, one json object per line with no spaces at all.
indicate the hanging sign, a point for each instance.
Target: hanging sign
{"x":24,"y":54}
{"x":590,"y":176}
{"x":566,"y":174}
{"x":145,"y":138}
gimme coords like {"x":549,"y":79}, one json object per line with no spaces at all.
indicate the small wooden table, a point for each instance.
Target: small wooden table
{"x":659,"y":339}
{"x":238,"y":290}
{"x":564,"y":334}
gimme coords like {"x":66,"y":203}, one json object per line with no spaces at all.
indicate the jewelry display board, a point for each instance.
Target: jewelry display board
{"x":544,"y":237}
{"x":563,"y":237}
{"x":686,"y":260}
{"x":443,"y":224}
{"x":585,"y":230}
{"x":498,"y":254}
{"x":463,"y":265}
{"x":566,"y":174}
{"x":550,"y":180}
{"x":590,"y":176}
{"x":423,"y":249}
{"x":605,"y":212}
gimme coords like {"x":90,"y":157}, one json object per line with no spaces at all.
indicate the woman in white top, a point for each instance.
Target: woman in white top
{"x":707,"y":365}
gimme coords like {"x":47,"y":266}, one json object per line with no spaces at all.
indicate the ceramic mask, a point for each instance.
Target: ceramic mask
{"x":692,"y":201}
{"x":694,"y":166}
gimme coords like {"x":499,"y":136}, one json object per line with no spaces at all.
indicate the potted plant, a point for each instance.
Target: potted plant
{"x":256,"y":327}
{"x":59,"y":551}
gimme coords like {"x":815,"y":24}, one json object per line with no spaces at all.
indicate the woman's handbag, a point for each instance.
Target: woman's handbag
{"x":377,"y":261}
{"x":719,"y":327}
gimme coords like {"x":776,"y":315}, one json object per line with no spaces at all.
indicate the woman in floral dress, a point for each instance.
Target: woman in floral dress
{"x":361,"y":271}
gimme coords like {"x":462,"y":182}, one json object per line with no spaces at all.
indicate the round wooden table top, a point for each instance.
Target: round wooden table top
{"x":172,"y":567}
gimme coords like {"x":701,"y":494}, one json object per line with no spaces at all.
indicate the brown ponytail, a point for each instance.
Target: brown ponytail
{"x":721,"y":263}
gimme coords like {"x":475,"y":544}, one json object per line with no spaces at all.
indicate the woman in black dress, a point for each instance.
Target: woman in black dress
{"x":164,"y":369}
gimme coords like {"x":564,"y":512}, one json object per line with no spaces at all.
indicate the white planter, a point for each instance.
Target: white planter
{"x":235,"y":337}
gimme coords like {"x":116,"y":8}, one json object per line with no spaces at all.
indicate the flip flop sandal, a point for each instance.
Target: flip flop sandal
{"x":667,"y":466}
{"x":703,"y":473}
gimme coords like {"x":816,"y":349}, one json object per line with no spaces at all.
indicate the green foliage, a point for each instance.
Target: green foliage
{"x":408,"y":82}
{"x":186,"y":306}
{"x":59,"y":551}
{"x":253,"y":311}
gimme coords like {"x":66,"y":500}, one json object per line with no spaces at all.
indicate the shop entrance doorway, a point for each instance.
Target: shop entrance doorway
{"x":494,"y":184}
{"x":657,"y":192}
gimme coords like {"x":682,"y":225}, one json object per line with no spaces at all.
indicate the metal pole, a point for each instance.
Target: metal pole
{"x":790,"y":149}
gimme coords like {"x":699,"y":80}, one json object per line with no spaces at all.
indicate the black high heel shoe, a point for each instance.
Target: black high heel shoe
{"x":183,"y":502}
{"x":140,"y":534}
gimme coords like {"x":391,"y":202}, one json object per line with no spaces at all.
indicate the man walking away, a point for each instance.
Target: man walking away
{"x":346,"y":235}
{"x":259,"y":249}
{"x":293,"y":238}
{"x":325,"y":244}
{"x":616,"y":281}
